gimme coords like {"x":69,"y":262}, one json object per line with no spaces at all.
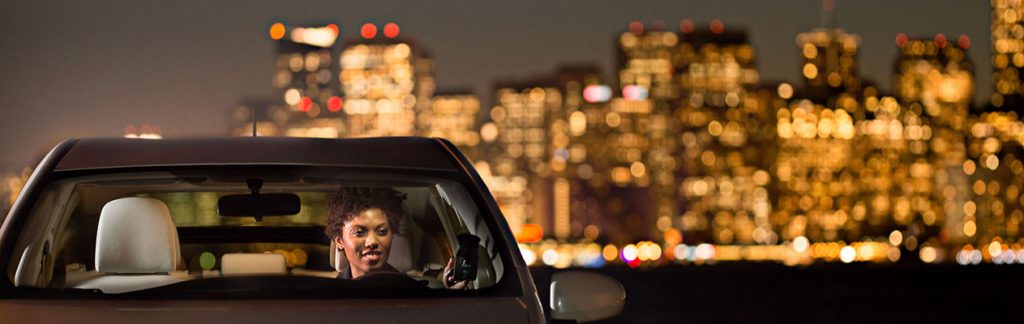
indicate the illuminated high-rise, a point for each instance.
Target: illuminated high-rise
{"x":306,"y":101}
{"x":520,"y":162}
{"x":573,"y":146}
{"x":816,"y":188}
{"x":994,"y":167}
{"x":1007,"y":54}
{"x":386,"y":82}
{"x":933,"y":82}
{"x":828,"y":63}
{"x":639,"y":134}
{"x":995,"y":156}
{"x":547,"y":153}
{"x":455,"y":117}
{"x":305,"y":83}
{"x":815,"y":169}
{"x":645,"y":63}
{"x":723,"y":128}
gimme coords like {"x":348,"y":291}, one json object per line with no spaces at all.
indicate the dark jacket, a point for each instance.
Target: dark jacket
{"x":393,"y":280}
{"x":347,"y":273}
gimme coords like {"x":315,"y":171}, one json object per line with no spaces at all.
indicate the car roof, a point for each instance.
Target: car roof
{"x":383,"y":152}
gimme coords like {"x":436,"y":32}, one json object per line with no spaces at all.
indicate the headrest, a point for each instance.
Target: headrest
{"x":136,"y":235}
{"x":253,"y":263}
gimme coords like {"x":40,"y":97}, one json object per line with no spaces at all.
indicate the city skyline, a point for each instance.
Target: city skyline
{"x":569,"y":158}
{"x":689,"y":141}
{"x":114,"y":55}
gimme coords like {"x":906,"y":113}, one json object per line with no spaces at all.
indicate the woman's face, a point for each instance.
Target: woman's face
{"x":366,"y":239}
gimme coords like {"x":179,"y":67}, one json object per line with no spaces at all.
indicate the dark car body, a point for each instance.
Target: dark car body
{"x":512,"y":299}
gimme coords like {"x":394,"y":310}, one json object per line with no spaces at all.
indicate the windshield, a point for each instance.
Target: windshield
{"x":165,"y":234}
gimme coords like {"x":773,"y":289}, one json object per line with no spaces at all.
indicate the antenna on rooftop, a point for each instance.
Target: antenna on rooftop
{"x":828,"y":13}
{"x":254,"y":121}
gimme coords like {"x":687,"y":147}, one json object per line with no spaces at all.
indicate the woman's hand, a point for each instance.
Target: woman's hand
{"x":449,"y":277}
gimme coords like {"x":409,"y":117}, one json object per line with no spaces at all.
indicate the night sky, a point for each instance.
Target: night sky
{"x":89,"y":68}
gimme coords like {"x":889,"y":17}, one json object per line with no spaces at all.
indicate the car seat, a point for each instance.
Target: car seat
{"x":136,"y":247}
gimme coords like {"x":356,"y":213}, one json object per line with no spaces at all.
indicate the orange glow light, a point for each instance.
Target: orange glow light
{"x":530,"y":233}
{"x":901,"y":39}
{"x":673,"y":237}
{"x":391,"y":30}
{"x":368,"y":31}
{"x":334,"y":28}
{"x":277,"y":31}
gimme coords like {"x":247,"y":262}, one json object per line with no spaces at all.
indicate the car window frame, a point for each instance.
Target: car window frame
{"x":510,"y":284}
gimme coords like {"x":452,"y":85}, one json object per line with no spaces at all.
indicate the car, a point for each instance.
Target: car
{"x":233,"y":230}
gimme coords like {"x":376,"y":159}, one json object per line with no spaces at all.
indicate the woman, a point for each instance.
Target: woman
{"x":362,"y":222}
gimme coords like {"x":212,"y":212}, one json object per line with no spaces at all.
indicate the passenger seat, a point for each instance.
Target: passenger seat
{"x":136,"y":247}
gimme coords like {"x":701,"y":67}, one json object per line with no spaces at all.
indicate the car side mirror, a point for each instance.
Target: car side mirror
{"x":585,"y":296}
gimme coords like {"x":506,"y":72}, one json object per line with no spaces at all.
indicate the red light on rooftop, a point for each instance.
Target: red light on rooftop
{"x":305,"y":104}
{"x":530,"y":233}
{"x":391,"y":30}
{"x":686,"y":26}
{"x":717,"y":26}
{"x":828,"y":5}
{"x":368,"y":31}
{"x":636,"y":27}
{"x":334,"y":104}
{"x":901,"y":39}
{"x":964,"y":42}
{"x":277,"y":31}
{"x":940,"y":40}
{"x":334,"y":28}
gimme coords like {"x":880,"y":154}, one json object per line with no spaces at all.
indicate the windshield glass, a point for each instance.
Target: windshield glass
{"x":163,"y":233}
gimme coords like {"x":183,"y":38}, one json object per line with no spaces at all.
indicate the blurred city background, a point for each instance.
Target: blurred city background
{"x":682,"y":153}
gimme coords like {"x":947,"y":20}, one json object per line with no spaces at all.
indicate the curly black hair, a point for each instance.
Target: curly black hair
{"x":348,"y":202}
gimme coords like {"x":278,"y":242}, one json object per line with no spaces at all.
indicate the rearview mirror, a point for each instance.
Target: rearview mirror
{"x":259,"y":205}
{"x":585,"y":296}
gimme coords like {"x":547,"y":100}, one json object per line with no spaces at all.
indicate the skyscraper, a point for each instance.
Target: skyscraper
{"x":933,"y":81}
{"x":814,"y":169}
{"x":645,"y":63}
{"x":723,"y":125}
{"x":386,"y":82}
{"x":828,"y":63}
{"x":639,"y":128}
{"x":1007,"y":54}
{"x":456,"y":117}
{"x":520,"y":158}
{"x":304,"y":81}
